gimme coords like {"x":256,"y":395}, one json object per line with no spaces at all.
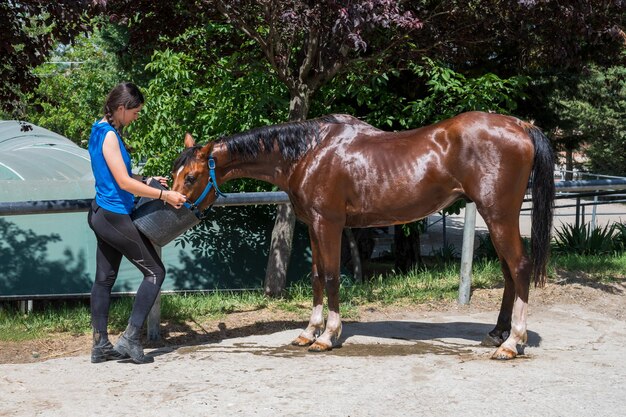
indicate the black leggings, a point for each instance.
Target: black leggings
{"x":117,"y":236}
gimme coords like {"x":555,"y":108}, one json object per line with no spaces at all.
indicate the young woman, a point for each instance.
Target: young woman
{"x":109,"y":217}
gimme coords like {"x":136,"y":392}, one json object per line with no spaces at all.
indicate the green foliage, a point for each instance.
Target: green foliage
{"x":589,"y":110}
{"x":445,"y":254}
{"x":451,"y":93}
{"x":74,"y":85}
{"x":364,"y":92}
{"x":28,"y":30}
{"x":485,"y":249}
{"x":207,"y":99}
{"x":619,"y":239}
{"x":600,"y":108}
{"x":584,"y":240}
{"x":422,"y":94}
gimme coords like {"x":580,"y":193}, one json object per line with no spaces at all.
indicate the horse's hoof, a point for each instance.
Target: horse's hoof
{"x":492,"y":341}
{"x":320,"y":347}
{"x":301,"y":341}
{"x":504,"y":354}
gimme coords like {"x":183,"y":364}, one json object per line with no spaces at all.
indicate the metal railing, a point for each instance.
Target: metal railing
{"x":82,"y":205}
{"x":579,"y":189}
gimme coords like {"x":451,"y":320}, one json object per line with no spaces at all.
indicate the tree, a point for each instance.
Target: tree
{"x":591,"y":110}
{"x":521,"y":37}
{"x":29,"y":29}
{"x":75,"y":82}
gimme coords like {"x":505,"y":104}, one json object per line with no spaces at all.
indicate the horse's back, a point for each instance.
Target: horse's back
{"x":473,"y":132}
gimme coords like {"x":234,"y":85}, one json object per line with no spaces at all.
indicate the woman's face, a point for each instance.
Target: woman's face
{"x":125,"y":116}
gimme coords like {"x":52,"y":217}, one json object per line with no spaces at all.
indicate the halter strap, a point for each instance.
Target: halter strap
{"x":210,"y":184}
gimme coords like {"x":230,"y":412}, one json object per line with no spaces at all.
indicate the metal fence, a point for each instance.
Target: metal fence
{"x":580,"y":190}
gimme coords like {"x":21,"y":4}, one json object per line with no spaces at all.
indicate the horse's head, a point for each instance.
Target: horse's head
{"x":193,"y":176}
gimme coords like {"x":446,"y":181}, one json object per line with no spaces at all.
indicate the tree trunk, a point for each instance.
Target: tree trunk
{"x":569,"y":164}
{"x":280,"y":251}
{"x":282,"y":235}
{"x":357,"y":268}
{"x":407,"y":250}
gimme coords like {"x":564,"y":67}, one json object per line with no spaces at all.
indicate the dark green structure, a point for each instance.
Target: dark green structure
{"x":48,"y":255}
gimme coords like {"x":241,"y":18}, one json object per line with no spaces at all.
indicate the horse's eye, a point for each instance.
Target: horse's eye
{"x":190,"y":179}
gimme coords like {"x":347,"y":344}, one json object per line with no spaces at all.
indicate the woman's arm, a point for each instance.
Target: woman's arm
{"x":146,"y":180}
{"x":113,"y":157}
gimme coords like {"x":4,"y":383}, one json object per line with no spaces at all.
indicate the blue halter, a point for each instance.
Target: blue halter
{"x":210,"y":184}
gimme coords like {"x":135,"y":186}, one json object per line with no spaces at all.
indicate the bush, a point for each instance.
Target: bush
{"x":584,"y":240}
{"x":620,"y":236}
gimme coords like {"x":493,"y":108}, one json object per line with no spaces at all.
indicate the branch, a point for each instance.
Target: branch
{"x":234,"y":18}
{"x":274,"y":46}
{"x":311,"y":52}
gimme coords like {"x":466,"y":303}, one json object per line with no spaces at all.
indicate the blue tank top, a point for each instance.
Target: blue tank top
{"x":108,"y":194}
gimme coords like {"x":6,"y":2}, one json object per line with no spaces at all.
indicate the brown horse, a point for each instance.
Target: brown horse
{"x":341,"y":172}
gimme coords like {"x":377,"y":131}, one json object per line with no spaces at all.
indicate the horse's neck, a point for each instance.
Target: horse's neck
{"x":269,"y":167}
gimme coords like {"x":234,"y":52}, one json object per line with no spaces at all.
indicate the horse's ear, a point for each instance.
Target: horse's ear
{"x":205,"y":151}
{"x":189,"y":140}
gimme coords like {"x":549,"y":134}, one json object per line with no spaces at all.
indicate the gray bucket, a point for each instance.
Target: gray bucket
{"x":161,"y":223}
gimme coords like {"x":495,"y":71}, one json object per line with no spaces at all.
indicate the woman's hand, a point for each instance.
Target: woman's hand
{"x":173,"y":198}
{"x":162,"y":180}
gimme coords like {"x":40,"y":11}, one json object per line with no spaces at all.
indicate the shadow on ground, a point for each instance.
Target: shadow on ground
{"x":426,"y":338}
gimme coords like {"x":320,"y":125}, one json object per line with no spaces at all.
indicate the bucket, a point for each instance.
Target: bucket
{"x":160,"y":222}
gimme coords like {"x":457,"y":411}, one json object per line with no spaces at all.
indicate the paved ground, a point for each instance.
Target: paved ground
{"x":425,"y":363}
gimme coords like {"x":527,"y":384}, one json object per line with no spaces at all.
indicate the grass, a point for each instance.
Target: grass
{"x":601,"y":268}
{"x":438,"y":282}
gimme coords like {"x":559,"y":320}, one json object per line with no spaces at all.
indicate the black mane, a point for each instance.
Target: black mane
{"x":294,"y":139}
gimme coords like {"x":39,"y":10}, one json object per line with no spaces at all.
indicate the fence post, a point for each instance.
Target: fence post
{"x":154,"y":317}
{"x":26,"y":306}
{"x":467,"y":253}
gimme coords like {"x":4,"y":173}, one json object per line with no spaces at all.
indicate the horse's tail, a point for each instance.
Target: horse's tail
{"x":543,"y":189}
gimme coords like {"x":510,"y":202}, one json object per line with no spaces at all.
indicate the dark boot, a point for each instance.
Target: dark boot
{"x":102,"y":350}
{"x":130,"y":344}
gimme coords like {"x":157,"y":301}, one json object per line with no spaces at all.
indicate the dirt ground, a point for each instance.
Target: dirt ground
{"x":424,"y":360}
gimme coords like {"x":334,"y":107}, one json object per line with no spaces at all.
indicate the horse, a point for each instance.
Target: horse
{"x":339,"y":171}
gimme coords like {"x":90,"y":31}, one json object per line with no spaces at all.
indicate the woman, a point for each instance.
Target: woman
{"x":117,"y":236}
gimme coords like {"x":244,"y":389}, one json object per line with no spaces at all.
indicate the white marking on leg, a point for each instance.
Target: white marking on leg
{"x":333,"y":330}
{"x":518,"y":325}
{"x":316,"y":323}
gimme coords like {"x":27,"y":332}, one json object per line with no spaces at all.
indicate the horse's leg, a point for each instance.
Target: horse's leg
{"x":508,"y":243}
{"x":327,"y":238}
{"x":503,"y":326}
{"x":316,"y":322}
